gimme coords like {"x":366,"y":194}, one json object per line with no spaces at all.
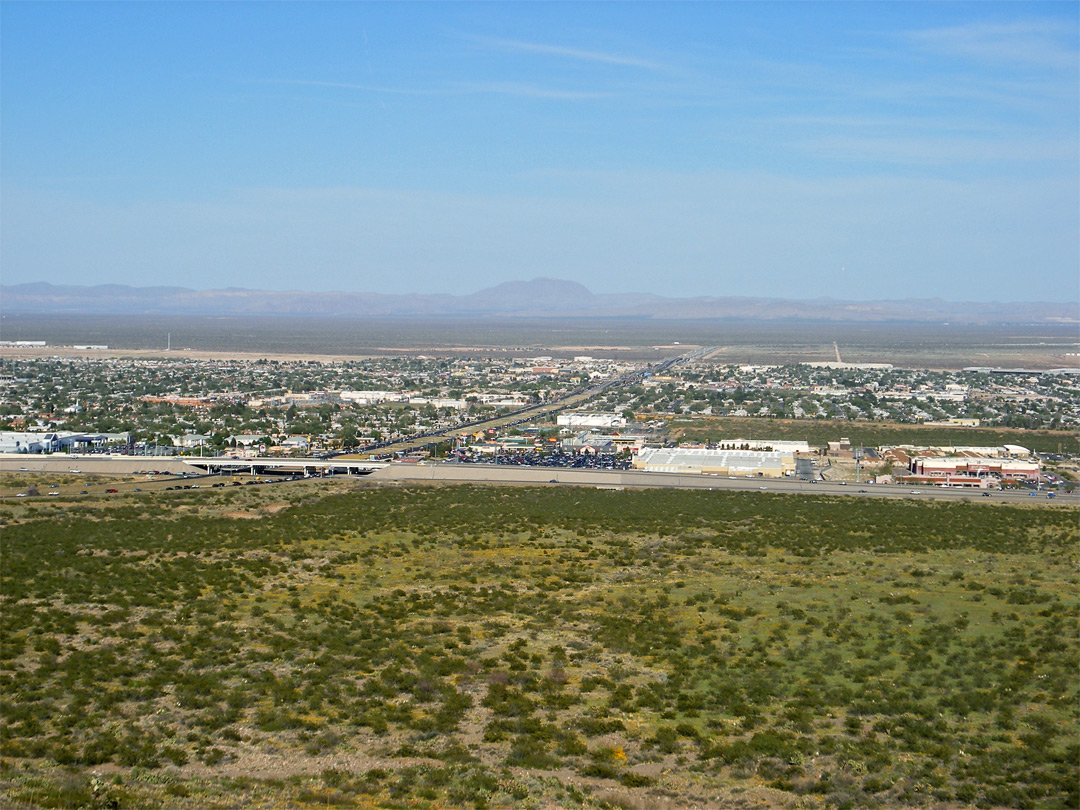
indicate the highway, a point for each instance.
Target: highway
{"x":452,"y":472}
{"x":635,"y":479}
{"x":528,"y":414}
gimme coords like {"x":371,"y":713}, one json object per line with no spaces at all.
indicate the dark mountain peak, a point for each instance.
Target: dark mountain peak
{"x":539,"y":294}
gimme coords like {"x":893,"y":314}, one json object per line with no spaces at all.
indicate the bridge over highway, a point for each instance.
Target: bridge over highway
{"x":305,"y":466}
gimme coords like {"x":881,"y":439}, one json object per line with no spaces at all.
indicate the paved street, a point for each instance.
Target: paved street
{"x":485,"y":473}
{"x":492,"y":474}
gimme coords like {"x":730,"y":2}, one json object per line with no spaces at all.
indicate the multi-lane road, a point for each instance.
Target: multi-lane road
{"x":530,"y":413}
{"x":635,"y":479}
{"x":449,"y":472}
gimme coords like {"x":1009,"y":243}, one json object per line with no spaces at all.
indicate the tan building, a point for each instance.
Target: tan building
{"x":1003,"y":468}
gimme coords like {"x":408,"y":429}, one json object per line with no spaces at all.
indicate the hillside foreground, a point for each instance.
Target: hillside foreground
{"x":314,"y":645}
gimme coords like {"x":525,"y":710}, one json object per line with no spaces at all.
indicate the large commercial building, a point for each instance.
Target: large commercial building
{"x":709,"y":461}
{"x":18,"y":442}
{"x":63,"y":441}
{"x":588,"y":441}
{"x":1004,"y":468}
{"x":590,"y":420}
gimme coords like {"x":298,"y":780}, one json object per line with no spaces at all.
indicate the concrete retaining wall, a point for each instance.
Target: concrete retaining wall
{"x":91,"y":465}
{"x":485,"y":473}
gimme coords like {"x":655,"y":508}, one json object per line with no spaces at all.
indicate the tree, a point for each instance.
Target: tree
{"x":348,"y":437}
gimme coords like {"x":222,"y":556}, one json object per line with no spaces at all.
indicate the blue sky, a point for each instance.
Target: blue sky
{"x":850,"y":150}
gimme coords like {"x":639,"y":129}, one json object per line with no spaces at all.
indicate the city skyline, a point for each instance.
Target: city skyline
{"x":869,"y":151}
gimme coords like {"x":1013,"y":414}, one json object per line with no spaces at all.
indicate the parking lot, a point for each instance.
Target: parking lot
{"x":599,"y":461}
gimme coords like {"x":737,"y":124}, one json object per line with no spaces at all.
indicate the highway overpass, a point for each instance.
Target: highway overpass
{"x":279,"y":466}
{"x":176,"y":465}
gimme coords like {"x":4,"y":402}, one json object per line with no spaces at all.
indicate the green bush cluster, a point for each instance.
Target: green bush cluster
{"x":873,"y":653}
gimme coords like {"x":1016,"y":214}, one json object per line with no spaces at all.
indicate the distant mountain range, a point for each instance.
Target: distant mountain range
{"x":539,"y":298}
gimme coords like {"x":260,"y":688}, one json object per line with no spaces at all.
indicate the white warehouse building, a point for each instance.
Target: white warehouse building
{"x":590,"y":420}
{"x":707,"y":461}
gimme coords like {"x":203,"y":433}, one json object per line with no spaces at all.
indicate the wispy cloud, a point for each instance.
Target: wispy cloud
{"x":580,"y":54}
{"x":519,"y":89}
{"x":530,"y":91}
{"x":860,"y":122}
{"x":1036,"y":42}
{"x":937,"y":151}
{"x":793,"y":82}
{"x":369,"y":88}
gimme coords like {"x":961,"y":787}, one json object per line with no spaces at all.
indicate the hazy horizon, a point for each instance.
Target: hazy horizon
{"x":1044,"y":345}
{"x":914,"y":296}
{"x":869,"y":151}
